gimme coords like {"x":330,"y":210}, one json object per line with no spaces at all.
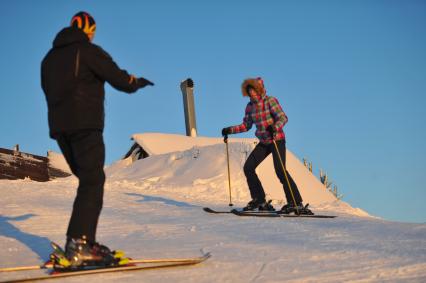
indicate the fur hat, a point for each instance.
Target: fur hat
{"x":256,"y":83}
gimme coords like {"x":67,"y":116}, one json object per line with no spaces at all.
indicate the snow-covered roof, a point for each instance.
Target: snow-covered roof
{"x":159,"y":143}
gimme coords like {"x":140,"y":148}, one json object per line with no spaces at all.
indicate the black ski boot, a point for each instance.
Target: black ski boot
{"x":300,"y":209}
{"x":82,"y":254}
{"x":259,"y":204}
{"x":267,"y":206}
{"x":304,"y":210}
{"x":253,"y":204}
{"x":287,"y":208}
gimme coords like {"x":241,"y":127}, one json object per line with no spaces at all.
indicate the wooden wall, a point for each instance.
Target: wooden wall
{"x":19,"y":165}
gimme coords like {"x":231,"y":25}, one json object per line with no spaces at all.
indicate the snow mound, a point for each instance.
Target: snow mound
{"x":196,"y":168}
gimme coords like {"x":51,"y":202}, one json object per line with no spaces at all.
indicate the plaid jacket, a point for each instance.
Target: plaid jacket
{"x":264,"y":112}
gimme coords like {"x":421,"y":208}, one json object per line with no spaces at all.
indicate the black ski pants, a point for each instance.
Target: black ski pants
{"x":84,"y":152}
{"x":259,"y":153}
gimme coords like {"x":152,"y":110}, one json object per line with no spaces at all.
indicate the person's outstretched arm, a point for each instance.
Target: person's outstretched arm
{"x":102,"y":64}
{"x":245,"y":126}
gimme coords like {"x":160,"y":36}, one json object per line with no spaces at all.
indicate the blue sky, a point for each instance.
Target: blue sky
{"x":351,"y":76}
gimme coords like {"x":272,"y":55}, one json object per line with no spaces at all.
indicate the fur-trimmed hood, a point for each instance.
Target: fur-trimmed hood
{"x":256,"y":83}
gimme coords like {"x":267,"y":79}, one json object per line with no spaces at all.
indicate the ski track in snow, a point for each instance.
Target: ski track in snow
{"x":149,"y":221}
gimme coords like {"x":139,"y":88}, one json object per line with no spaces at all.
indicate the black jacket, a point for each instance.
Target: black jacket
{"x":73,"y":75}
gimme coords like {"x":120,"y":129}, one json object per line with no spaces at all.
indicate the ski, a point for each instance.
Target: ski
{"x":135,"y":265}
{"x":265,"y":213}
{"x":278,"y":214}
{"x":209,"y":210}
{"x":49,"y":264}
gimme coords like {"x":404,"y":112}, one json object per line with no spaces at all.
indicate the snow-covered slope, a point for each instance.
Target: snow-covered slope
{"x":153,"y":208}
{"x":149,"y":223}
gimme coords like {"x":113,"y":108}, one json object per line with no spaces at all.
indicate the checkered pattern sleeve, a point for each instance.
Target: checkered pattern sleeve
{"x":247,"y":122}
{"x":277,"y":113}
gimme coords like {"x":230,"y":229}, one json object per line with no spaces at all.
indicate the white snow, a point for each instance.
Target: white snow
{"x":153,"y":208}
{"x":57,"y":160}
{"x":200,"y":164}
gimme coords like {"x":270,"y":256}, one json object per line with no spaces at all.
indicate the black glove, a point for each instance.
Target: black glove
{"x":271,"y":130}
{"x":226,"y":131}
{"x":142,"y":82}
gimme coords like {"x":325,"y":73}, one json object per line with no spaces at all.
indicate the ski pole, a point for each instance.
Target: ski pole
{"x":225,"y":140}
{"x":285,"y":174}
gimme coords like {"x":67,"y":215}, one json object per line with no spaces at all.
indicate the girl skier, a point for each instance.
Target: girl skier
{"x":266,"y":113}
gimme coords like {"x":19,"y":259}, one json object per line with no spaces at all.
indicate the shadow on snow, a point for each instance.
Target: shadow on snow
{"x":39,"y":245}
{"x":146,"y":198}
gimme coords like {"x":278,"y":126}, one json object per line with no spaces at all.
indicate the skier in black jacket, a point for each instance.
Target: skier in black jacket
{"x":73,"y":75}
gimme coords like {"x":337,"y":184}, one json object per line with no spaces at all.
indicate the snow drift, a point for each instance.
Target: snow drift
{"x":197,"y":168}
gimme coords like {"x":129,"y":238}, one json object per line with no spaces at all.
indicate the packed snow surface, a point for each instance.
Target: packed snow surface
{"x":153,"y":209}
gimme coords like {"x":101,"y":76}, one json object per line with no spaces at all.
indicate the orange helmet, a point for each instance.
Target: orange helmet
{"x":85,"y":22}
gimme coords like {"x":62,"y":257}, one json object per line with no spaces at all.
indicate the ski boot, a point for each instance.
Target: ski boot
{"x":58,"y":258}
{"x":253,"y":205}
{"x":267,"y":206}
{"x":80,"y":254}
{"x":300,"y":209}
{"x":259,"y":204}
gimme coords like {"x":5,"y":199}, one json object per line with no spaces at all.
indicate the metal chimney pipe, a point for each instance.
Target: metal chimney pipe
{"x":187,"y":87}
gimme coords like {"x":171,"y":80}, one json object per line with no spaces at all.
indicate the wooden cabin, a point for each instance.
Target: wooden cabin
{"x":20,"y":165}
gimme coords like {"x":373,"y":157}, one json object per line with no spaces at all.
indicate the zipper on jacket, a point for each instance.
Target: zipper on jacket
{"x":77,"y":63}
